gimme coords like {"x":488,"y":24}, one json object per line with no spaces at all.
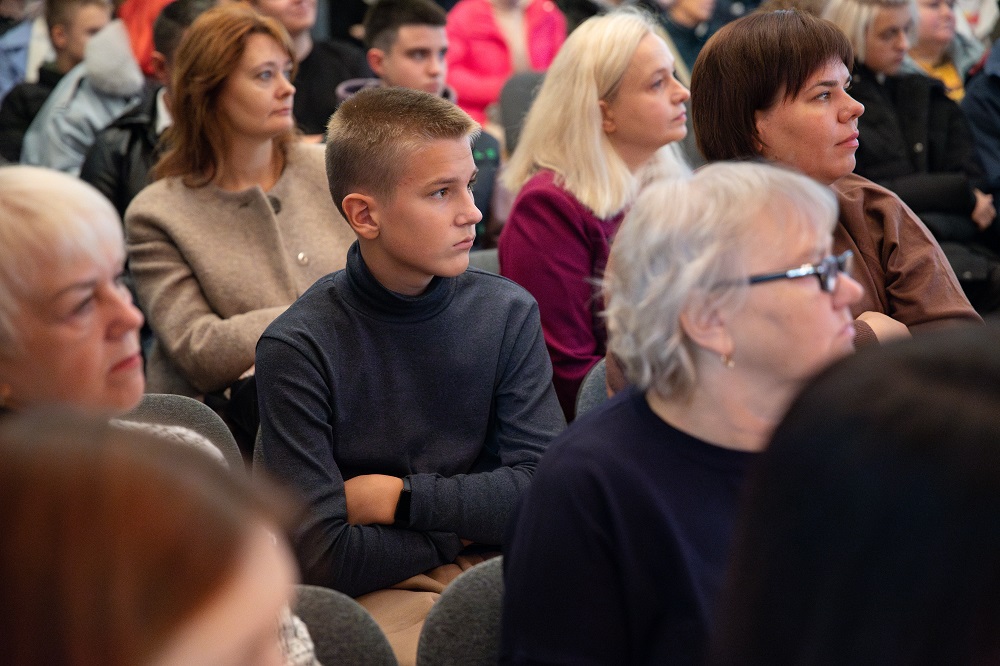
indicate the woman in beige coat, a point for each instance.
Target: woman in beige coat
{"x":240,"y":221}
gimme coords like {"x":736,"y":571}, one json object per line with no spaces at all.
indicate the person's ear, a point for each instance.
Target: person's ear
{"x":607,"y":117}
{"x":161,"y":67}
{"x":57,"y":35}
{"x":361,"y":212}
{"x":761,"y":121}
{"x":376,"y":60}
{"x":704,"y":322}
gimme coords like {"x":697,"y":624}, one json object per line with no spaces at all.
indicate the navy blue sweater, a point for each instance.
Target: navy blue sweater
{"x":619,"y":548}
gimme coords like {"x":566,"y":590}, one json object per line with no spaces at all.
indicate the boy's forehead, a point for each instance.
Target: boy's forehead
{"x":438,"y":160}
{"x":414,"y":35}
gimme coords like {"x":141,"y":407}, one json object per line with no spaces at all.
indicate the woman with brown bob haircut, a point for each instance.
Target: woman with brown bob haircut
{"x":775,"y":86}
{"x":239,"y":201}
{"x":121,"y":549}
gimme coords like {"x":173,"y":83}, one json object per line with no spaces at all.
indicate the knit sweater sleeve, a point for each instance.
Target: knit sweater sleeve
{"x":297,"y":444}
{"x":477,"y":506}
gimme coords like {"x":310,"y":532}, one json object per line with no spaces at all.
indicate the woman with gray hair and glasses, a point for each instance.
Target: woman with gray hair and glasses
{"x":724,"y":297}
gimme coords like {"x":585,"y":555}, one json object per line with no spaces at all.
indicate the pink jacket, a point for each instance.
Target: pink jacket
{"x":478,"y":58}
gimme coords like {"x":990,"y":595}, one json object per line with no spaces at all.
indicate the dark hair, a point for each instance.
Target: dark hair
{"x":871,"y":532}
{"x":748,"y":66}
{"x":372,"y":135}
{"x":112,"y":539}
{"x":173,"y":20}
{"x":384,"y":19}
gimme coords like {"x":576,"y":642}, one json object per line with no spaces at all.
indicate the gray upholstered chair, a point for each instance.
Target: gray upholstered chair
{"x":463,"y":627}
{"x":593,"y":390}
{"x":487,"y":260}
{"x":179,"y":410}
{"x":257,"y":462}
{"x":516,"y":97}
{"x":341,"y":629}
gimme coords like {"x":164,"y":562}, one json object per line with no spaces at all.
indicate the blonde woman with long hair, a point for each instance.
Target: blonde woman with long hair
{"x":609,"y":105}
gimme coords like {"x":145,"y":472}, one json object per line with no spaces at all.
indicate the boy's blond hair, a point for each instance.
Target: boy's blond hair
{"x":372,"y":134}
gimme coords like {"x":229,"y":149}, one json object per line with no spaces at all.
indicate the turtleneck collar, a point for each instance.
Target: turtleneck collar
{"x":367,"y":294}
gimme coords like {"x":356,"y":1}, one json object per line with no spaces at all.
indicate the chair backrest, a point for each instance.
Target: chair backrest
{"x":593,"y":391}
{"x":487,"y":260}
{"x":257,"y":462}
{"x":516,"y":97}
{"x":463,"y":627}
{"x":343,"y":632}
{"x":179,"y":410}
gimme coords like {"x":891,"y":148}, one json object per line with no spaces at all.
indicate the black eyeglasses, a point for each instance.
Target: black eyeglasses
{"x":826,"y":271}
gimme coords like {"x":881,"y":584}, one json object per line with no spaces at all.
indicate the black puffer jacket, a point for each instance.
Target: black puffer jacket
{"x":916,"y":142}
{"x":123,"y":153}
{"x":20,"y":107}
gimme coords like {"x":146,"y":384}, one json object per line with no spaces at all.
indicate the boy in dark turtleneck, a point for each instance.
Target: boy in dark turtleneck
{"x":405,"y":398}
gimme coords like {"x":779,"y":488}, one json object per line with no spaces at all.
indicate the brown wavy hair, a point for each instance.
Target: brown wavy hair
{"x":207,"y":55}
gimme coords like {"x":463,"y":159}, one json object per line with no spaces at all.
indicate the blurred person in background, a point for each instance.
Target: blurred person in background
{"x":489,"y":40}
{"x":940,"y":50}
{"x":111,"y":78}
{"x":120,"y":161}
{"x":71,"y":24}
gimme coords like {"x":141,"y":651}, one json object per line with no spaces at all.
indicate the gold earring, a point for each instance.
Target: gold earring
{"x":728,"y":361}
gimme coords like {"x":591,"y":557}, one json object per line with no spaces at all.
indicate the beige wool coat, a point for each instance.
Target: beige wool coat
{"x":213,"y":268}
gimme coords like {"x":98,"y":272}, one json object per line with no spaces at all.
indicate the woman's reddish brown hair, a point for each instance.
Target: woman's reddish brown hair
{"x":209,"y":52}
{"x":112,"y":539}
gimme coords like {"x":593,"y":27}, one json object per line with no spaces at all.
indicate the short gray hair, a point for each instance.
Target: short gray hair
{"x":684,"y":240}
{"x":46,"y":218}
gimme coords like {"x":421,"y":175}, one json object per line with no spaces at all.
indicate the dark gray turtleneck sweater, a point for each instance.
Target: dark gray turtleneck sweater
{"x":452,"y":388}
